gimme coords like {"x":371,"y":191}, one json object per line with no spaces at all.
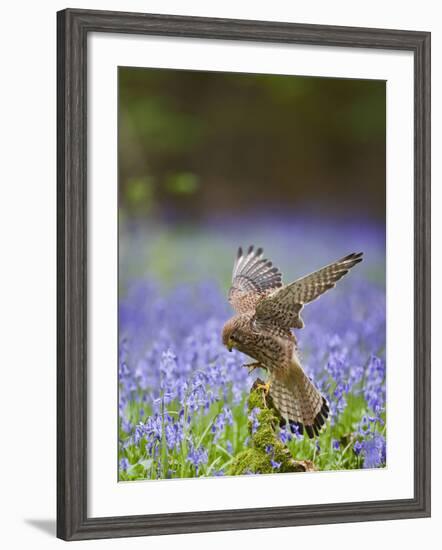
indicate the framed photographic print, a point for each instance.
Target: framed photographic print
{"x":243,"y":274}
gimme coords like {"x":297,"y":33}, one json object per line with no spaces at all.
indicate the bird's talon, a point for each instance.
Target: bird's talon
{"x":251,"y":367}
{"x":264,"y":387}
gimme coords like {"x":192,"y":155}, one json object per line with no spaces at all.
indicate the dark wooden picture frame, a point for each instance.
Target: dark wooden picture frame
{"x":73,"y":27}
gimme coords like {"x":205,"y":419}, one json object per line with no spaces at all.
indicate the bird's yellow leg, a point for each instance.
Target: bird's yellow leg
{"x":265,"y":391}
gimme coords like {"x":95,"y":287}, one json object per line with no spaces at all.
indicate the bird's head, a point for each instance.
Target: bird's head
{"x":231,"y":336}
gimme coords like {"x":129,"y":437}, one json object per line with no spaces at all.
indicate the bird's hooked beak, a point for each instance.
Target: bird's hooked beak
{"x":230,"y":345}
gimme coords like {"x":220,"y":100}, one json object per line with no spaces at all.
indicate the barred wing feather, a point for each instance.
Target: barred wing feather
{"x":253,"y":277}
{"x":283,"y":306}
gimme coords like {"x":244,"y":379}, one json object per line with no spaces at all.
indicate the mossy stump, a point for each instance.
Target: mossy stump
{"x":265,"y":454}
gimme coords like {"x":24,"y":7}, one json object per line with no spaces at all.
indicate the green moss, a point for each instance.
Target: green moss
{"x":264,"y":445}
{"x":251,"y":461}
{"x":256,"y":398}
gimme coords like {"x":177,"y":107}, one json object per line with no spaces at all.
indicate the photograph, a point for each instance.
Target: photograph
{"x":251,"y":274}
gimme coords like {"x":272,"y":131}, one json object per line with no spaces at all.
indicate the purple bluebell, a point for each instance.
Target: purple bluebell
{"x":253,"y":418}
{"x":374,"y":451}
{"x":197,"y":457}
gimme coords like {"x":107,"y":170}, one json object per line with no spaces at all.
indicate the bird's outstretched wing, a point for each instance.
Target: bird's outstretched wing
{"x":253,"y":277}
{"x":283,"y":306}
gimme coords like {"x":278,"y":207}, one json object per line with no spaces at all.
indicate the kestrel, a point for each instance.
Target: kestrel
{"x":266,"y":311}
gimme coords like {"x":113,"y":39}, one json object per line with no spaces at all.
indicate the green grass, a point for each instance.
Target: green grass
{"x":221,"y":455}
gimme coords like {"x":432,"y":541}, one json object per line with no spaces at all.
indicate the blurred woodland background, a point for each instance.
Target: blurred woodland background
{"x":198,"y":145}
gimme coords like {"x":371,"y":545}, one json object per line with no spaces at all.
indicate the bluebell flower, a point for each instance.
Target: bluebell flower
{"x":285,"y":435}
{"x":174,"y":434}
{"x":124,"y":464}
{"x":374,"y":451}
{"x":294,"y":429}
{"x":253,"y":417}
{"x":197,"y":457}
{"x":126,"y":425}
{"x":223,"y":419}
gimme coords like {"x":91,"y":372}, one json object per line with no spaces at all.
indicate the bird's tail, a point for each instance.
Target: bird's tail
{"x":299,"y":402}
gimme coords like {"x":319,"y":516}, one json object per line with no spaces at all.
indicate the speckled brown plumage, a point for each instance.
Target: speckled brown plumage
{"x":266,"y":311}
